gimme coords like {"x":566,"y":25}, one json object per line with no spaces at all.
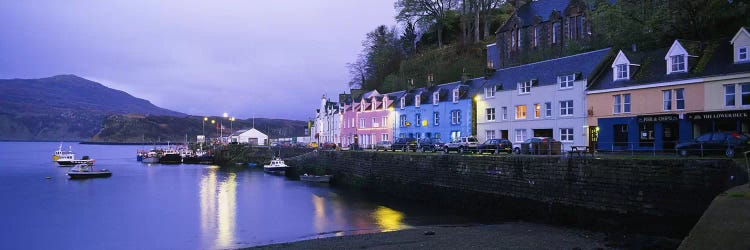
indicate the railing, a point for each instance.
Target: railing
{"x":665,"y":148}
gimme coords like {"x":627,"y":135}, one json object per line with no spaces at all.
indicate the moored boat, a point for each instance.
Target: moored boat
{"x":170,"y":156}
{"x":60,"y":154}
{"x":316,"y":178}
{"x":151,"y":157}
{"x":277,"y":166}
{"x":83,"y":171}
{"x":68,"y":161}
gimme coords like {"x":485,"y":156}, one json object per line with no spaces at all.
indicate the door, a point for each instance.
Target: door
{"x":670,"y":136}
{"x":620,"y":135}
{"x":593,"y":137}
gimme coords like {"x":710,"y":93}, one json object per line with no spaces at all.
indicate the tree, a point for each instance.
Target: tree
{"x":425,"y":12}
{"x":409,"y":38}
{"x":486,"y":8}
{"x":381,"y":56}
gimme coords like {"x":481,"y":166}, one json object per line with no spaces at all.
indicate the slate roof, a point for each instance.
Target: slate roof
{"x":541,"y":8}
{"x":546,"y":72}
{"x":714,"y":59}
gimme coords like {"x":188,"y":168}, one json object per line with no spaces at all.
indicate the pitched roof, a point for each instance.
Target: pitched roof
{"x":546,"y":72}
{"x":541,"y":8}
{"x":715,"y":58}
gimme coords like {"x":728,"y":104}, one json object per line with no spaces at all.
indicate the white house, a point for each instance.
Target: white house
{"x":327,"y":125}
{"x":542,"y":99}
{"x":250,"y":136}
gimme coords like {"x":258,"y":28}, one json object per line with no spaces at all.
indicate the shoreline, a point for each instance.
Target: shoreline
{"x":515,"y":235}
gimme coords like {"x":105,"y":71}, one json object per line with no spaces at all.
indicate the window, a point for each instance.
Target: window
{"x":418,"y":120}
{"x":490,"y":134}
{"x":489,"y":92}
{"x":729,"y":95}
{"x":536,"y":36}
{"x":678,"y":63}
{"x":456,"y":117}
{"x":566,"y":134}
{"x":384,"y":137}
{"x":566,"y":108}
{"x":537,"y":110}
{"x":667,"y":94}
{"x":519,"y":38}
{"x":403,"y":102}
{"x":745,"y":93}
{"x":402,"y":120}
{"x":622,"y":72}
{"x":362,"y":106}
{"x":505,"y":113}
{"x":520,"y":112}
{"x":548,"y":107}
{"x":455,"y":135}
{"x":572,"y":28}
{"x":520,"y":135}
{"x":374,"y":123}
{"x":513,"y":39}
{"x":579,"y":26}
{"x":617,"y":104}
{"x":555,"y":30}
{"x":491,"y":114}
{"x":566,"y":81}
{"x":742,"y":55}
{"x":524,"y":87}
{"x":626,"y":103}
{"x":436,"y":118}
{"x":679,"y":97}
{"x":361,"y":122}
{"x":384,"y":121}
{"x":455,"y":95}
{"x":435,"y":98}
{"x":417,"y":100}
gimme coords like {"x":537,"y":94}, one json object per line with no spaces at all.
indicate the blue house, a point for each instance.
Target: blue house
{"x":442,"y":111}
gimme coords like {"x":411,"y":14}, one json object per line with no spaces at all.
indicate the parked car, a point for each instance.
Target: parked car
{"x":430,"y":144}
{"x":405,"y":144}
{"x":328,"y":146}
{"x":461,"y":145}
{"x":383,"y":145}
{"x":727,"y":143}
{"x":495,"y":146}
{"x":533,"y":145}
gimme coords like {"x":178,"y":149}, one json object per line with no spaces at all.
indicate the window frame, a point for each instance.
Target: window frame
{"x":733,"y":95}
{"x":520,"y":132}
{"x":456,"y":117}
{"x":677,"y":66}
{"x":548,"y":109}
{"x":403,"y":102}
{"x":505,"y":113}
{"x":489,"y":92}
{"x":537,"y":111}
{"x":666,"y":96}
{"x":490,"y":114}
{"x":524,"y":88}
{"x":677,"y":93}
{"x":518,"y":110}
{"x":569,"y":109}
{"x":455,"y":96}
{"x":617,"y":104}
{"x":626,"y":103}
{"x":362,"y":123}
{"x":743,"y":93}
{"x":417,"y":100}
{"x":436,"y":118}
{"x":490,"y":134}
{"x":622,"y":72}
{"x":435,"y":98}
{"x":747,"y":54}
{"x":418,"y":119}
{"x":569,"y":136}
{"x":567,"y":83}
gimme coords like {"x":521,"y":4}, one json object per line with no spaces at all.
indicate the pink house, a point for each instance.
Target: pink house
{"x":368,"y":119}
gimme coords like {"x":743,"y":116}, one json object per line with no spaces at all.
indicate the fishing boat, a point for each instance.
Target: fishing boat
{"x":277,"y":166}
{"x":316,"y":178}
{"x":171,"y":156}
{"x":152,"y":157}
{"x":70,"y":161}
{"x":83,"y":171}
{"x":60,"y":154}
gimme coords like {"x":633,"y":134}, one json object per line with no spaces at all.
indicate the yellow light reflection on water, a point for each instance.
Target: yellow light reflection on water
{"x":320,"y":213}
{"x":219,"y":207}
{"x":388,"y":219}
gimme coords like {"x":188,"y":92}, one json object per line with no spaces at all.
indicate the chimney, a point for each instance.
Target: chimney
{"x":430,"y":79}
{"x":465,"y":76}
{"x":635,"y":49}
{"x":356,"y":92}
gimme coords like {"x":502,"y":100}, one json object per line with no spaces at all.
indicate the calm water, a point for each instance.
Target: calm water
{"x":177,"y":206}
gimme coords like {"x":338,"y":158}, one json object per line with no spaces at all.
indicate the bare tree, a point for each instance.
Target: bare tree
{"x":426,"y":12}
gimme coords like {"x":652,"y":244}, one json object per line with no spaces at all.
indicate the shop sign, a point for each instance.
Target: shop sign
{"x":658,"y":118}
{"x":719,"y":115}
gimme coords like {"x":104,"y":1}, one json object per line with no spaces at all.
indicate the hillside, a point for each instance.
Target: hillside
{"x":63,"y":107}
{"x":138,"y":128}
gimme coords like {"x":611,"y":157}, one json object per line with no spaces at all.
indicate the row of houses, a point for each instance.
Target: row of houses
{"x":611,"y":100}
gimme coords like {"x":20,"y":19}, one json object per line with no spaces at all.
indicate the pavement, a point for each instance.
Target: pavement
{"x":725,"y":224}
{"x":516,"y":235}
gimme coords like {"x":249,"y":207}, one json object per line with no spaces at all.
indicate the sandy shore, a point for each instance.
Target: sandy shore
{"x":516,"y":235}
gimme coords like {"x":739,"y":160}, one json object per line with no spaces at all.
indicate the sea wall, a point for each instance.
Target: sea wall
{"x":531,"y":186}
{"x":241,"y":153}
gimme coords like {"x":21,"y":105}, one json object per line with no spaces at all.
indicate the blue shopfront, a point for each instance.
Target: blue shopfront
{"x":643,"y":133}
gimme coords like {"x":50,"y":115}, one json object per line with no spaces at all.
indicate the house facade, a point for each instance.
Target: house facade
{"x":250,"y":136}
{"x":443,"y":111}
{"x":327,"y":127}
{"x":542,"y":99}
{"x":368,"y":119}
{"x":653,"y":100}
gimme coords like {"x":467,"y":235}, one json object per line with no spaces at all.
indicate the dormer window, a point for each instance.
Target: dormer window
{"x":621,"y":72}
{"x":678,"y":63}
{"x":489,"y":92}
{"x":362,"y":106}
{"x":435,"y":98}
{"x":524,"y":87}
{"x":742,"y":55}
{"x":417,"y":100}
{"x":374,"y":103}
{"x":403,"y":102}
{"x":455,"y":95}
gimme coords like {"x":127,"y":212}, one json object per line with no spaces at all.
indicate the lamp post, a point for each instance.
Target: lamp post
{"x":213,"y":122}
{"x":221,"y":126}
{"x":204,"y":127}
{"x":231,"y":125}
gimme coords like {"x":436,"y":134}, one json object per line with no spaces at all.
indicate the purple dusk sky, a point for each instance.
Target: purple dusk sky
{"x":265,"y":58}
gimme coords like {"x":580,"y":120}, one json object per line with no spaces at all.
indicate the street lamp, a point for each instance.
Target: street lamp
{"x":205,"y":119}
{"x":231,"y":125}
{"x":213,"y":122}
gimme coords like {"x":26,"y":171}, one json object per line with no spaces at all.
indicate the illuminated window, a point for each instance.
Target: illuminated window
{"x":537,"y":110}
{"x":520,"y":112}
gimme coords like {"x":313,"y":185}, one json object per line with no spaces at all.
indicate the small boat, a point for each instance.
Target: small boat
{"x":151,"y":157}
{"x":67,"y":162}
{"x":316,"y":178}
{"x":83,"y":171}
{"x":252,"y":164}
{"x":277,"y":166}
{"x":60,"y":154}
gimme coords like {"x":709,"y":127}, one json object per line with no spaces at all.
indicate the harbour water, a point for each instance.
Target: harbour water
{"x":183,"y":206}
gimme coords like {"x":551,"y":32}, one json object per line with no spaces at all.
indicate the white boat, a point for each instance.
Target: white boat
{"x":70,"y":161}
{"x":60,"y":154}
{"x":83,"y":171}
{"x":151,"y":157}
{"x":316,"y":178}
{"x":277,"y":166}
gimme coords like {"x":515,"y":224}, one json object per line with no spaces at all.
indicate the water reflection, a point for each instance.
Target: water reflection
{"x":319,"y":221}
{"x":388,"y":219}
{"x":219,"y":207}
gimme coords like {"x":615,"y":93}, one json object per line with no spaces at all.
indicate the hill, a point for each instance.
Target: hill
{"x":139,"y":128}
{"x":63,"y":107}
